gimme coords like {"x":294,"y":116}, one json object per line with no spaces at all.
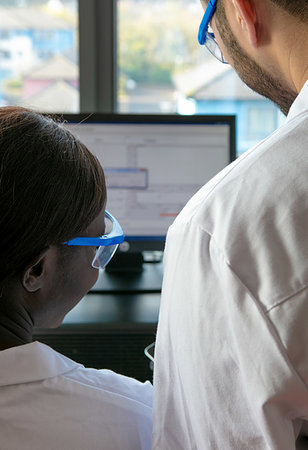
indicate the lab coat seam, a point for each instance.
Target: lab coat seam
{"x":103,"y":389}
{"x":286,"y":299}
{"x":273,"y":306}
{"x":264,"y":312}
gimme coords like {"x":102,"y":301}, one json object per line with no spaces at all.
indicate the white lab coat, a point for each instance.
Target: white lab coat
{"x":49,"y":402}
{"x":231,"y":356}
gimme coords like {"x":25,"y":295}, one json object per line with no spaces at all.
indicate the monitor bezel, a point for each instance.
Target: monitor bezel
{"x":138,"y":244}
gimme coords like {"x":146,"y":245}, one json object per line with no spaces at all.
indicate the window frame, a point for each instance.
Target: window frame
{"x":97,"y":55}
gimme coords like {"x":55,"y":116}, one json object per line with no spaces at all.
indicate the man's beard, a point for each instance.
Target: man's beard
{"x":249,"y":71}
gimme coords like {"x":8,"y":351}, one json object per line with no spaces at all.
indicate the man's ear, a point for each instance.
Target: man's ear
{"x":246,"y":17}
{"x":34,"y":276}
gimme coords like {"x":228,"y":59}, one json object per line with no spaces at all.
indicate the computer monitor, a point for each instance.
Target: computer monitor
{"x":153,"y":165}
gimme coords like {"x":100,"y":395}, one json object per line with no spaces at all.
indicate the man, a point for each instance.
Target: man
{"x":231,"y":357}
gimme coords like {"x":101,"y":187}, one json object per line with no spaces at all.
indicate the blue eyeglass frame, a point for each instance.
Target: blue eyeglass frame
{"x":204,"y":25}
{"x":116,"y":236}
{"x":206,"y":37}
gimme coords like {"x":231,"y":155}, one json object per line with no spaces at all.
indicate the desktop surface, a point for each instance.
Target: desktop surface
{"x":147,"y":280}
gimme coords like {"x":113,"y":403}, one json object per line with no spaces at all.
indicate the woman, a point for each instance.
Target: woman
{"x":52,"y":191}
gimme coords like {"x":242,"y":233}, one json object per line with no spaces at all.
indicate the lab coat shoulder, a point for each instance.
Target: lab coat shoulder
{"x":255,"y":212}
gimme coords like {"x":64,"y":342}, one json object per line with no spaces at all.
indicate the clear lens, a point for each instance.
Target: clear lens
{"x":113,"y":233}
{"x":103,"y":256}
{"x":108,"y":225}
{"x":213,"y":47}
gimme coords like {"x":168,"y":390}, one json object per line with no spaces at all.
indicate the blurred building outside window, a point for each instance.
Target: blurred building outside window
{"x":160,"y":66}
{"x":162,"y":69}
{"x":39,"y":54}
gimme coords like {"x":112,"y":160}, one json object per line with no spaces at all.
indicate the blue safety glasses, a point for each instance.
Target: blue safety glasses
{"x":206,"y":36}
{"x":107,"y":244}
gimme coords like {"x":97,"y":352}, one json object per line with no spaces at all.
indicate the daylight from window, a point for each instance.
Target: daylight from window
{"x":163,"y":69}
{"x":160,"y":66}
{"x":38,"y":54}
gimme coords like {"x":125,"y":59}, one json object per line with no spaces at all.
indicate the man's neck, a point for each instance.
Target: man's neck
{"x":294,"y":55}
{"x":304,"y":78}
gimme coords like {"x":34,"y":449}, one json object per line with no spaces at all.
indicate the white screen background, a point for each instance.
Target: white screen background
{"x":153,"y":169}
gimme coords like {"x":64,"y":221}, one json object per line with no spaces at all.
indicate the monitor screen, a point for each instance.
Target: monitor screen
{"x":153,"y":165}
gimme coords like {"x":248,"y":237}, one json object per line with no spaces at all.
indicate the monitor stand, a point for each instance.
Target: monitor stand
{"x":129,"y":273}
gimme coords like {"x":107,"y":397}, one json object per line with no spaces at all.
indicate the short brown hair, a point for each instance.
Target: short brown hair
{"x":51,"y":187}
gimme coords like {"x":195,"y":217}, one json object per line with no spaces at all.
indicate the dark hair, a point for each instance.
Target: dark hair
{"x":51,"y":187}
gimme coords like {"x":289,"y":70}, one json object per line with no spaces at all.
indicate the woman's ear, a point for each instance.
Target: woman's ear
{"x":35,"y":275}
{"x":246,"y":17}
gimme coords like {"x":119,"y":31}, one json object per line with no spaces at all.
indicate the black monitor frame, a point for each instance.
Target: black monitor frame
{"x":138,"y":245}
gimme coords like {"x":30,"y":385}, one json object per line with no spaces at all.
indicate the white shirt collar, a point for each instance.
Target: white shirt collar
{"x":32,"y":362}
{"x":300,"y":104}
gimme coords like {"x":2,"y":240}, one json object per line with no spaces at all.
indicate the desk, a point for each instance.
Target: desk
{"x":108,"y":330}
{"x":149,"y":280}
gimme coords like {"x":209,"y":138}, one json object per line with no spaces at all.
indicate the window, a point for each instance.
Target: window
{"x":156,"y":43}
{"x":135,"y":56}
{"x":39,"y":55}
{"x":260,"y":121}
{"x":161,"y":68}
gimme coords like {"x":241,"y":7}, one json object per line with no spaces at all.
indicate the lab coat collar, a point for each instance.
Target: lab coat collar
{"x":32,"y":362}
{"x":300,"y":104}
